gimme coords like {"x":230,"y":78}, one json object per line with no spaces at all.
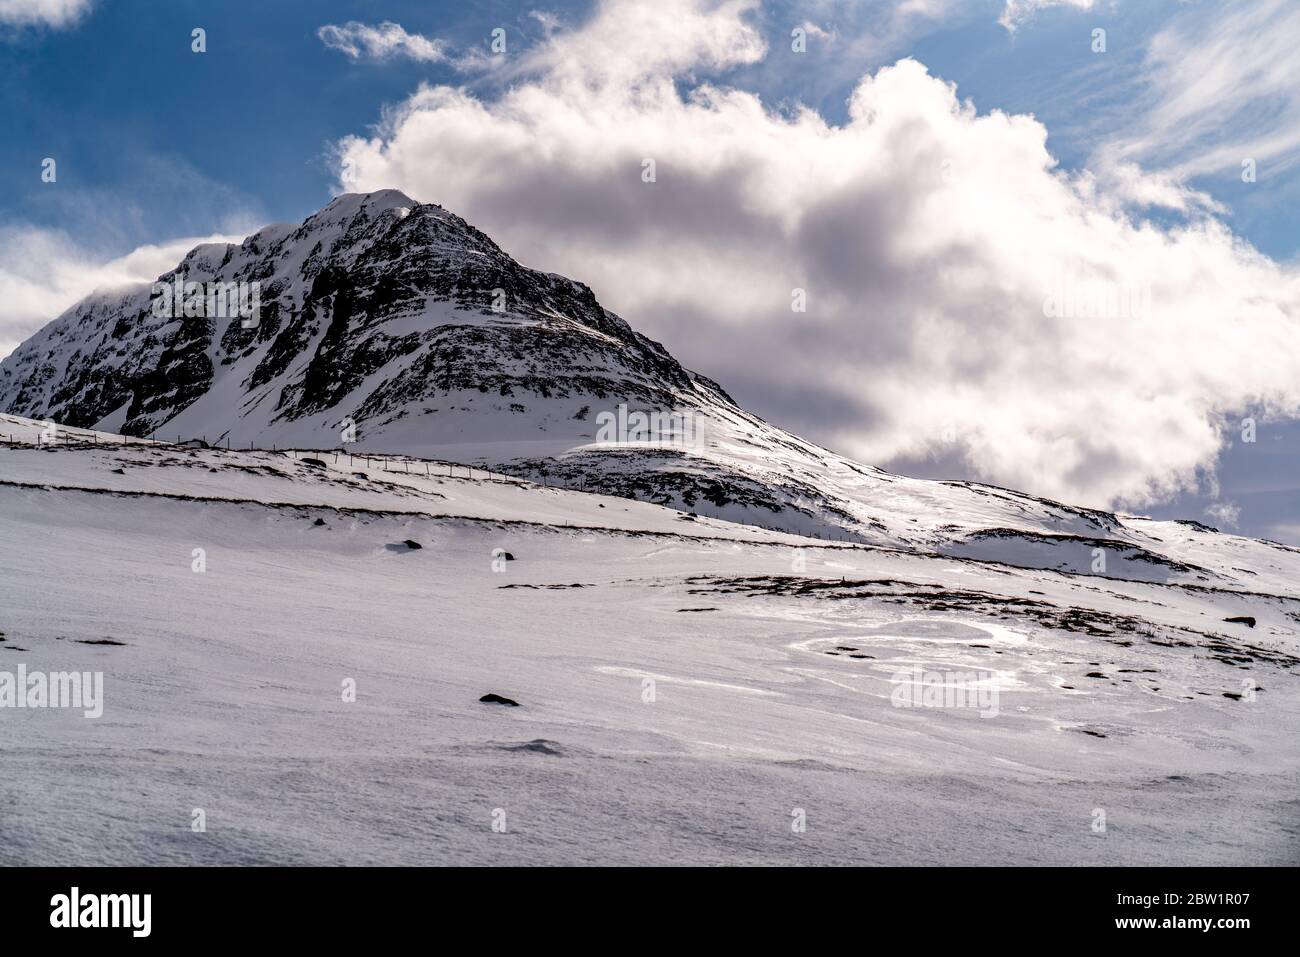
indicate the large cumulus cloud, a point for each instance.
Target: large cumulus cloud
{"x":957,"y":282}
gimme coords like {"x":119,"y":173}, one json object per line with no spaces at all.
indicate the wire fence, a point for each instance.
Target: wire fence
{"x":63,"y":437}
{"x":388,"y":464}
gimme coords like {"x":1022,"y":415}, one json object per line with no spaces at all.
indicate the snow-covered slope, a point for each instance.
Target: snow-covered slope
{"x":404,"y":321}
{"x":688,"y":688}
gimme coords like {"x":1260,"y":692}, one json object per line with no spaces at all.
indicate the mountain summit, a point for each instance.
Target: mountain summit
{"x":397,"y":317}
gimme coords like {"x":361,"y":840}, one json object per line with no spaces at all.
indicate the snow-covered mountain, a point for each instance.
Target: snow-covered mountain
{"x":391,"y":326}
{"x":376,"y":309}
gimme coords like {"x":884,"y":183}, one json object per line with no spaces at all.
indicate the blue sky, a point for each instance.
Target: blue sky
{"x":155,"y":143}
{"x":154,"y":140}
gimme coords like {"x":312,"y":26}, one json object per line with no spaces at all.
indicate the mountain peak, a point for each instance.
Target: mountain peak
{"x":381,"y":200}
{"x":398,"y":316}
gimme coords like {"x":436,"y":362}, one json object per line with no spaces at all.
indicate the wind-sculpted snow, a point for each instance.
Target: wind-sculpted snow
{"x":684,"y":688}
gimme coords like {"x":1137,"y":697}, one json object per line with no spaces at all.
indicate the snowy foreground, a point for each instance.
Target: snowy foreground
{"x":688,"y":688}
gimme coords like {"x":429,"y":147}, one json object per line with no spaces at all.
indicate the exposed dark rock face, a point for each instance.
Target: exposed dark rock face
{"x":375,"y":308}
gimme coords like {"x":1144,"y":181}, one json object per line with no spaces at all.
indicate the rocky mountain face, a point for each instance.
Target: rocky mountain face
{"x":375,"y":309}
{"x":386,"y":325}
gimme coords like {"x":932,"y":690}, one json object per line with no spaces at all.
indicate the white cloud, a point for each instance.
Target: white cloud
{"x":1129,"y":184}
{"x":549,"y":22}
{"x":927,"y":236}
{"x":382,"y":42}
{"x":1220,"y":86}
{"x":1017,"y":12}
{"x":43,"y":272}
{"x":1224,"y":514}
{"x":627,"y":43}
{"x":52,"y":13}
{"x":813,"y":30}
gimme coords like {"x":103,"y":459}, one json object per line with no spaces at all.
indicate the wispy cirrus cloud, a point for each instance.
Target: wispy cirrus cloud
{"x":1017,"y":11}
{"x":385,"y":41}
{"x":49,"y":13}
{"x":1219,"y":86}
